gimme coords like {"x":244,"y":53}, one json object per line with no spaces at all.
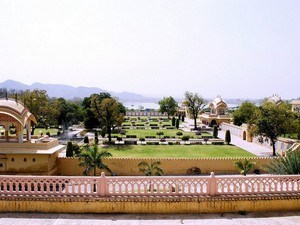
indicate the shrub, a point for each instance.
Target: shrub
{"x":119,"y":139}
{"x":86,"y":140}
{"x":96,"y":140}
{"x":69,"y":151}
{"x":131,"y":136}
{"x":217,"y":143}
{"x":185,"y":138}
{"x":150,"y":136}
{"x":58,"y":133}
{"x":48,"y":133}
{"x":173,"y":121}
{"x":159,"y":133}
{"x":179,"y":133}
{"x":153,"y":143}
{"x":142,"y":139}
{"x":227,"y":137}
{"x":177,"y":123}
{"x":193,"y":171}
{"x":127,"y":142}
{"x":215,"y":131}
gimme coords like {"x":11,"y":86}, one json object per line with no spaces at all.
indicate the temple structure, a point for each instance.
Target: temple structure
{"x":217,"y":114}
{"x":20,"y":152}
{"x":296,"y":106}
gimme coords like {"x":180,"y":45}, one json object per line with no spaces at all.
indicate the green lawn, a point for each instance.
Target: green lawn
{"x":177,"y":151}
{"x":52,"y":131}
{"x":167,"y":132}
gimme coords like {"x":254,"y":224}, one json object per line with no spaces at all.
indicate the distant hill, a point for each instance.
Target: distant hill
{"x":70,"y":92}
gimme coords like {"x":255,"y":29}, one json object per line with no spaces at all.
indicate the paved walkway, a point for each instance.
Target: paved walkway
{"x":255,"y":149}
{"x":248,"y":146}
{"x":275,"y":218}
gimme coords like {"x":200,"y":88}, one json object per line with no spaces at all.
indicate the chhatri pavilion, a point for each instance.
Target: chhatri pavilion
{"x":217,"y":114}
{"x":21,"y":153}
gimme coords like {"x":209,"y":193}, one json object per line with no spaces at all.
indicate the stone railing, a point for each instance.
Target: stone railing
{"x":44,"y":186}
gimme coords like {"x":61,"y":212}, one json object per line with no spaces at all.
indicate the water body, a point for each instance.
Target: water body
{"x":153,"y":105}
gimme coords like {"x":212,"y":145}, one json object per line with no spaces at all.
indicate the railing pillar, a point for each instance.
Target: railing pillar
{"x":103,"y":185}
{"x":212,"y":184}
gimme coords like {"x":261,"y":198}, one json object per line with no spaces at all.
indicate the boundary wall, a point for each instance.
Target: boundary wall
{"x":198,"y":194}
{"x":170,"y":166}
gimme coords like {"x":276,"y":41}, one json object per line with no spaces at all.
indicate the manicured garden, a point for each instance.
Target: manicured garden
{"x":177,"y":151}
{"x":170,"y":133}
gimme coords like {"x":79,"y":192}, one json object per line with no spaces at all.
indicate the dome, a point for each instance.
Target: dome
{"x":218,"y":101}
{"x":16,"y":110}
{"x":276,"y":99}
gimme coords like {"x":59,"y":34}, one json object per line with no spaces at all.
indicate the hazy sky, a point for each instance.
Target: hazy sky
{"x":235,"y":48}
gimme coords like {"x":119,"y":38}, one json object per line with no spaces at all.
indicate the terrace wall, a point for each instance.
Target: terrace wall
{"x":175,"y":166}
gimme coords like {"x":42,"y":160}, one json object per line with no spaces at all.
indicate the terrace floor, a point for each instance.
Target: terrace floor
{"x":265,"y":218}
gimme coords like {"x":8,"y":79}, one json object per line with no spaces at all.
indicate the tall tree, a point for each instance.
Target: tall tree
{"x":168,"y":105}
{"x":92,"y":158}
{"x":38,"y":103}
{"x":195,"y":104}
{"x":110,"y":115}
{"x":272,"y":121}
{"x":245,"y":114}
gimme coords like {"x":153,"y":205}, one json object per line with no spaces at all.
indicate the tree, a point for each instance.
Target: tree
{"x":177,"y":123}
{"x":244,"y":167}
{"x":38,"y":103}
{"x":290,"y":164}
{"x":272,"y":121}
{"x":168,"y":105}
{"x":194,"y":103}
{"x":110,"y":115}
{"x":69,"y":112}
{"x":91,"y":113}
{"x":69,"y":151}
{"x":150,"y":169}
{"x":92,"y":158}
{"x":173,"y":121}
{"x":104,"y":112}
{"x":86,"y":140}
{"x":245,"y":114}
{"x":227,"y":137}
{"x":215,"y":131}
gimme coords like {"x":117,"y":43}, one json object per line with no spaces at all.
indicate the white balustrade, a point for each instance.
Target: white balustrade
{"x":148,"y":186}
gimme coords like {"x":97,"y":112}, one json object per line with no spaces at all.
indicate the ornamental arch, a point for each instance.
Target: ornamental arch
{"x":14,"y":114}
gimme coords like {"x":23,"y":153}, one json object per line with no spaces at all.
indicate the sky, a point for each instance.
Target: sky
{"x":232,"y":48}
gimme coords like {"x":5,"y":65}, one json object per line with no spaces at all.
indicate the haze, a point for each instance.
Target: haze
{"x":235,"y":48}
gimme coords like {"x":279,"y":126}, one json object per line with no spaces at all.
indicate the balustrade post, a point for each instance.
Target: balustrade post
{"x":212,"y":184}
{"x":103,"y":185}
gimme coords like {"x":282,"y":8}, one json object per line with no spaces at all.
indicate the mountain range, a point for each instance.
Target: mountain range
{"x":70,"y":92}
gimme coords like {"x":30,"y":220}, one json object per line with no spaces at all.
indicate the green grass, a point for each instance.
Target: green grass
{"x":52,"y":131}
{"x":176,"y":151}
{"x":167,"y":132}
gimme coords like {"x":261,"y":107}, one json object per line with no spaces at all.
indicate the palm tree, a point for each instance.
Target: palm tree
{"x":290,"y":164}
{"x":245,"y":166}
{"x":150,"y":169}
{"x":91,"y":159}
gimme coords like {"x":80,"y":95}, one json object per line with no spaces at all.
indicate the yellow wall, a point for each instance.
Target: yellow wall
{"x":153,"y":205}
{"x":43,"y":164}
{"x":179,"y":166}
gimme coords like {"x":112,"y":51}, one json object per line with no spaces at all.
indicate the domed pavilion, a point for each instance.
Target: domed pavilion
{"x":14,"y":118}
{"x":21,"y":153}
{"x":217,"y":114}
